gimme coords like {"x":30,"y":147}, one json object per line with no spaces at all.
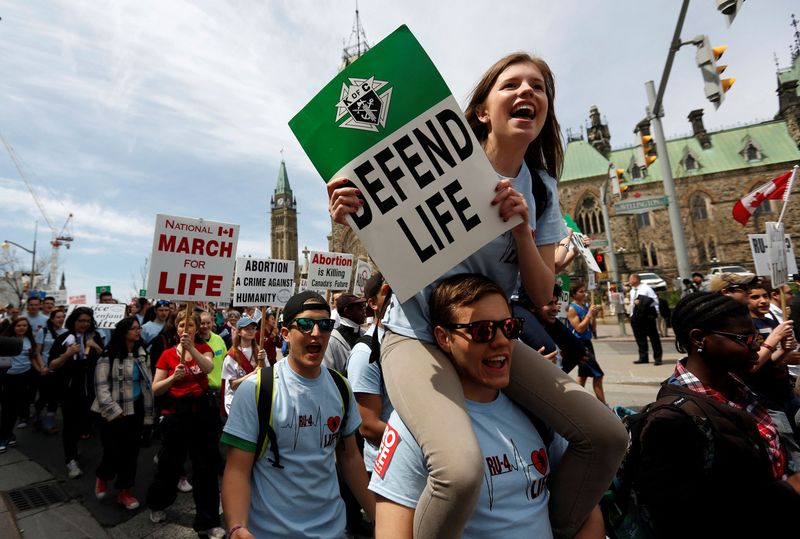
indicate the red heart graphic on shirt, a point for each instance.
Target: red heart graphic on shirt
{"x":539,"y":460}
{"x":333,"y":423}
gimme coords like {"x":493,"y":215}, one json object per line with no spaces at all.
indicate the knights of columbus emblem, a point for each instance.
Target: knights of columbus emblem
{"x":363,"y":106}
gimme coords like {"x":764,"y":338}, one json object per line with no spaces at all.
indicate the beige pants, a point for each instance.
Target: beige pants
{"x":426,"y":392}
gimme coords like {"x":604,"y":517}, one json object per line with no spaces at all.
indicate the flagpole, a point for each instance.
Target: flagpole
{"x":787,"y":192}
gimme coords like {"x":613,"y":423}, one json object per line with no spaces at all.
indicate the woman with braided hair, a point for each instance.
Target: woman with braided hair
{"x":711,"y":462}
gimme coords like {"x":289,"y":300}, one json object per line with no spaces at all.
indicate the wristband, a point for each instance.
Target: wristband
{"x":768,"y":347}
{"x":235,"y":529}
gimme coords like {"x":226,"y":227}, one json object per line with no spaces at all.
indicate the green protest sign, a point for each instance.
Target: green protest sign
{"x":571,"y":223}
{"x":391,"y":126}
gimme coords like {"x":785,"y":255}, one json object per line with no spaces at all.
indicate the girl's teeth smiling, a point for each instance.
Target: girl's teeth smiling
{"x":522,"y":111}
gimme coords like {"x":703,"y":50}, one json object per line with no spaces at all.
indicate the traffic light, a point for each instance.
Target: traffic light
{"x":618,"y":182}
{"x":645,"y":151}
{"x":601,"y":261}
{"x":707,"y":56}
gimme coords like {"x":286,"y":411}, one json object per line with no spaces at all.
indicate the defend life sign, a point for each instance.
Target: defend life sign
{"x":263,"y":282}
{"x":106,"y":315}
{"x":329,"y":271}
{"x":391,"y":126}
{"x":192,"y":259}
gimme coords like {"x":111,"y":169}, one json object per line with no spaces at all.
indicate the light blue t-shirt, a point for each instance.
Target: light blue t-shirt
{"x":21,"y":363}
{"x":46,"y":339}
{"x":150,"y":331}
{"x":366,"y":377}
{"x":496,"y":260}
{"x":37,"y":322}
{"x":514,"y":497}
{"x":301,"y":499}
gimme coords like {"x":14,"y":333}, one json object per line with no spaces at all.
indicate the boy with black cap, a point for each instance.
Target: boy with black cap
{"x":298,"y":497}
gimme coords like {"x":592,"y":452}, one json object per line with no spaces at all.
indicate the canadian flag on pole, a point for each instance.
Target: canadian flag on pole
{"x":778,"y":188}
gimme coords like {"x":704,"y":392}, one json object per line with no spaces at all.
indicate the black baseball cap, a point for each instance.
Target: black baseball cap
{"x":304,"y":301}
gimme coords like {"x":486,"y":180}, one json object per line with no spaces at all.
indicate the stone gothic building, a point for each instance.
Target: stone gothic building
{"x":283,"y":221}
{"x":712,"y":171}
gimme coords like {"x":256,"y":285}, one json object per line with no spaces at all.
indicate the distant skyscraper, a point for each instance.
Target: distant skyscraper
{"x":283,"y":222}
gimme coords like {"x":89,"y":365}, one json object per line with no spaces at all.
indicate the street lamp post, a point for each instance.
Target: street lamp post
{"x":7,"y":244}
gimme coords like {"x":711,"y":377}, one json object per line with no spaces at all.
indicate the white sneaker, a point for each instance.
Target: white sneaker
{"x":184,"y":485}
{"x":213,"y":533}
{"x":155,"y":459}
{"x":73,"y":470}
{"x":158,"y":516}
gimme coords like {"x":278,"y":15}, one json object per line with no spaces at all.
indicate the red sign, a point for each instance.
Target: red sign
{"x":77,"y":300}
{"x":388,"y":445}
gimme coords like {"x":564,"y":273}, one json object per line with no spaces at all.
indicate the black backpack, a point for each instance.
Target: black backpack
{"x":621,"y":515}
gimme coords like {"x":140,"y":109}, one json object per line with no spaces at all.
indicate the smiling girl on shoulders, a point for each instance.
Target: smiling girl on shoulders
{"x":511,"y":114}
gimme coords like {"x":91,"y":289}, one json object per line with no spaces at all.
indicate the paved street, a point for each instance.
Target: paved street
{"x":38,"y":460}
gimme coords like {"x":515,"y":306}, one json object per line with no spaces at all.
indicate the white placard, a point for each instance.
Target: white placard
{"x":262,"y":282}
{"x":759,"y":247}
{"x":591,"y":283}
{"x":106,"y":315}
{"x":302,"y":286}
{"x":563,"y":282}
{"x":577,"y":241}
{"x":778,"y":267}
{"x":60,"y":296}
{"x":192,"y":259}
{"x":363,"y":273}
{"x":329,"y":271}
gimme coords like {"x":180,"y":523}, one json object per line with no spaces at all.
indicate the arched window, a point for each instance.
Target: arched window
{"x":653,"y":255}
{"x":689,"y":162}
{"x":711,"y":247}
{"x":699,"y":207}
{"x":636,"y":172}
{"x":643,"y":256}
{"x":590,"y":216}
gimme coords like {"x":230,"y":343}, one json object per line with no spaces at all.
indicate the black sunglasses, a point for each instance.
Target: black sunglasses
{"x":745,"y":340}
{"x":483,"y":331}
{"x":306,"y":325}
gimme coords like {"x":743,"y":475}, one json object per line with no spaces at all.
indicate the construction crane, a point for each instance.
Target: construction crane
{"x":59,"y":237}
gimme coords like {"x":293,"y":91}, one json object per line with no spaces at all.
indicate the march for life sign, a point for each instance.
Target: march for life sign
{"x":363,"y":273}
{"x":759,"y":246}
{"x":192,"y":259}
{"x":106,"y":315}
{"x":329,"y":271}
{"x":389,"y":123}
{"x":263,"y":282}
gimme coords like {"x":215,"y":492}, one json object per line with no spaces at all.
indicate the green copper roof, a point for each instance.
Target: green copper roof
{"x":283,"y":181}
{"x":793,"y":73}
{"x":581,"y":160}
{"x":726,"y":153}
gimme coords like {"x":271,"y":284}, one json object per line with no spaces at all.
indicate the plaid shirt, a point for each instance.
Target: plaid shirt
{"x":113,"y":400}
{"x":746,"y":400}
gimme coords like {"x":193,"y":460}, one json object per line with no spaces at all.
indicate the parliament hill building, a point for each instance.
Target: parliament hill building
{"x":712,"y":171}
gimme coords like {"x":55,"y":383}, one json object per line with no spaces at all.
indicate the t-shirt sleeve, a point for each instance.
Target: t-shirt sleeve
{"x":229,"y":369}
{"x":400,"y":473}
{"x":163,"y":362}
{"x":364,"y":376}
{"x":241,"y":429}
{"x":39,"y":338}
{"x":550,"y":227}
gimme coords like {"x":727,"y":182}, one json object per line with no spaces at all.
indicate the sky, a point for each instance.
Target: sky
{"x":119,"y":110}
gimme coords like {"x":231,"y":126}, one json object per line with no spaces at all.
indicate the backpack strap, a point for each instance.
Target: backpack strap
{"x":344,"y":393}
{"x":265,"y":393}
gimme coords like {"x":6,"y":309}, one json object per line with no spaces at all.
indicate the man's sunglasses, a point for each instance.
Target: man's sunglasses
{"x":745,"y":340}
{"x":483,"y":331}
{"x":306,"y":325}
